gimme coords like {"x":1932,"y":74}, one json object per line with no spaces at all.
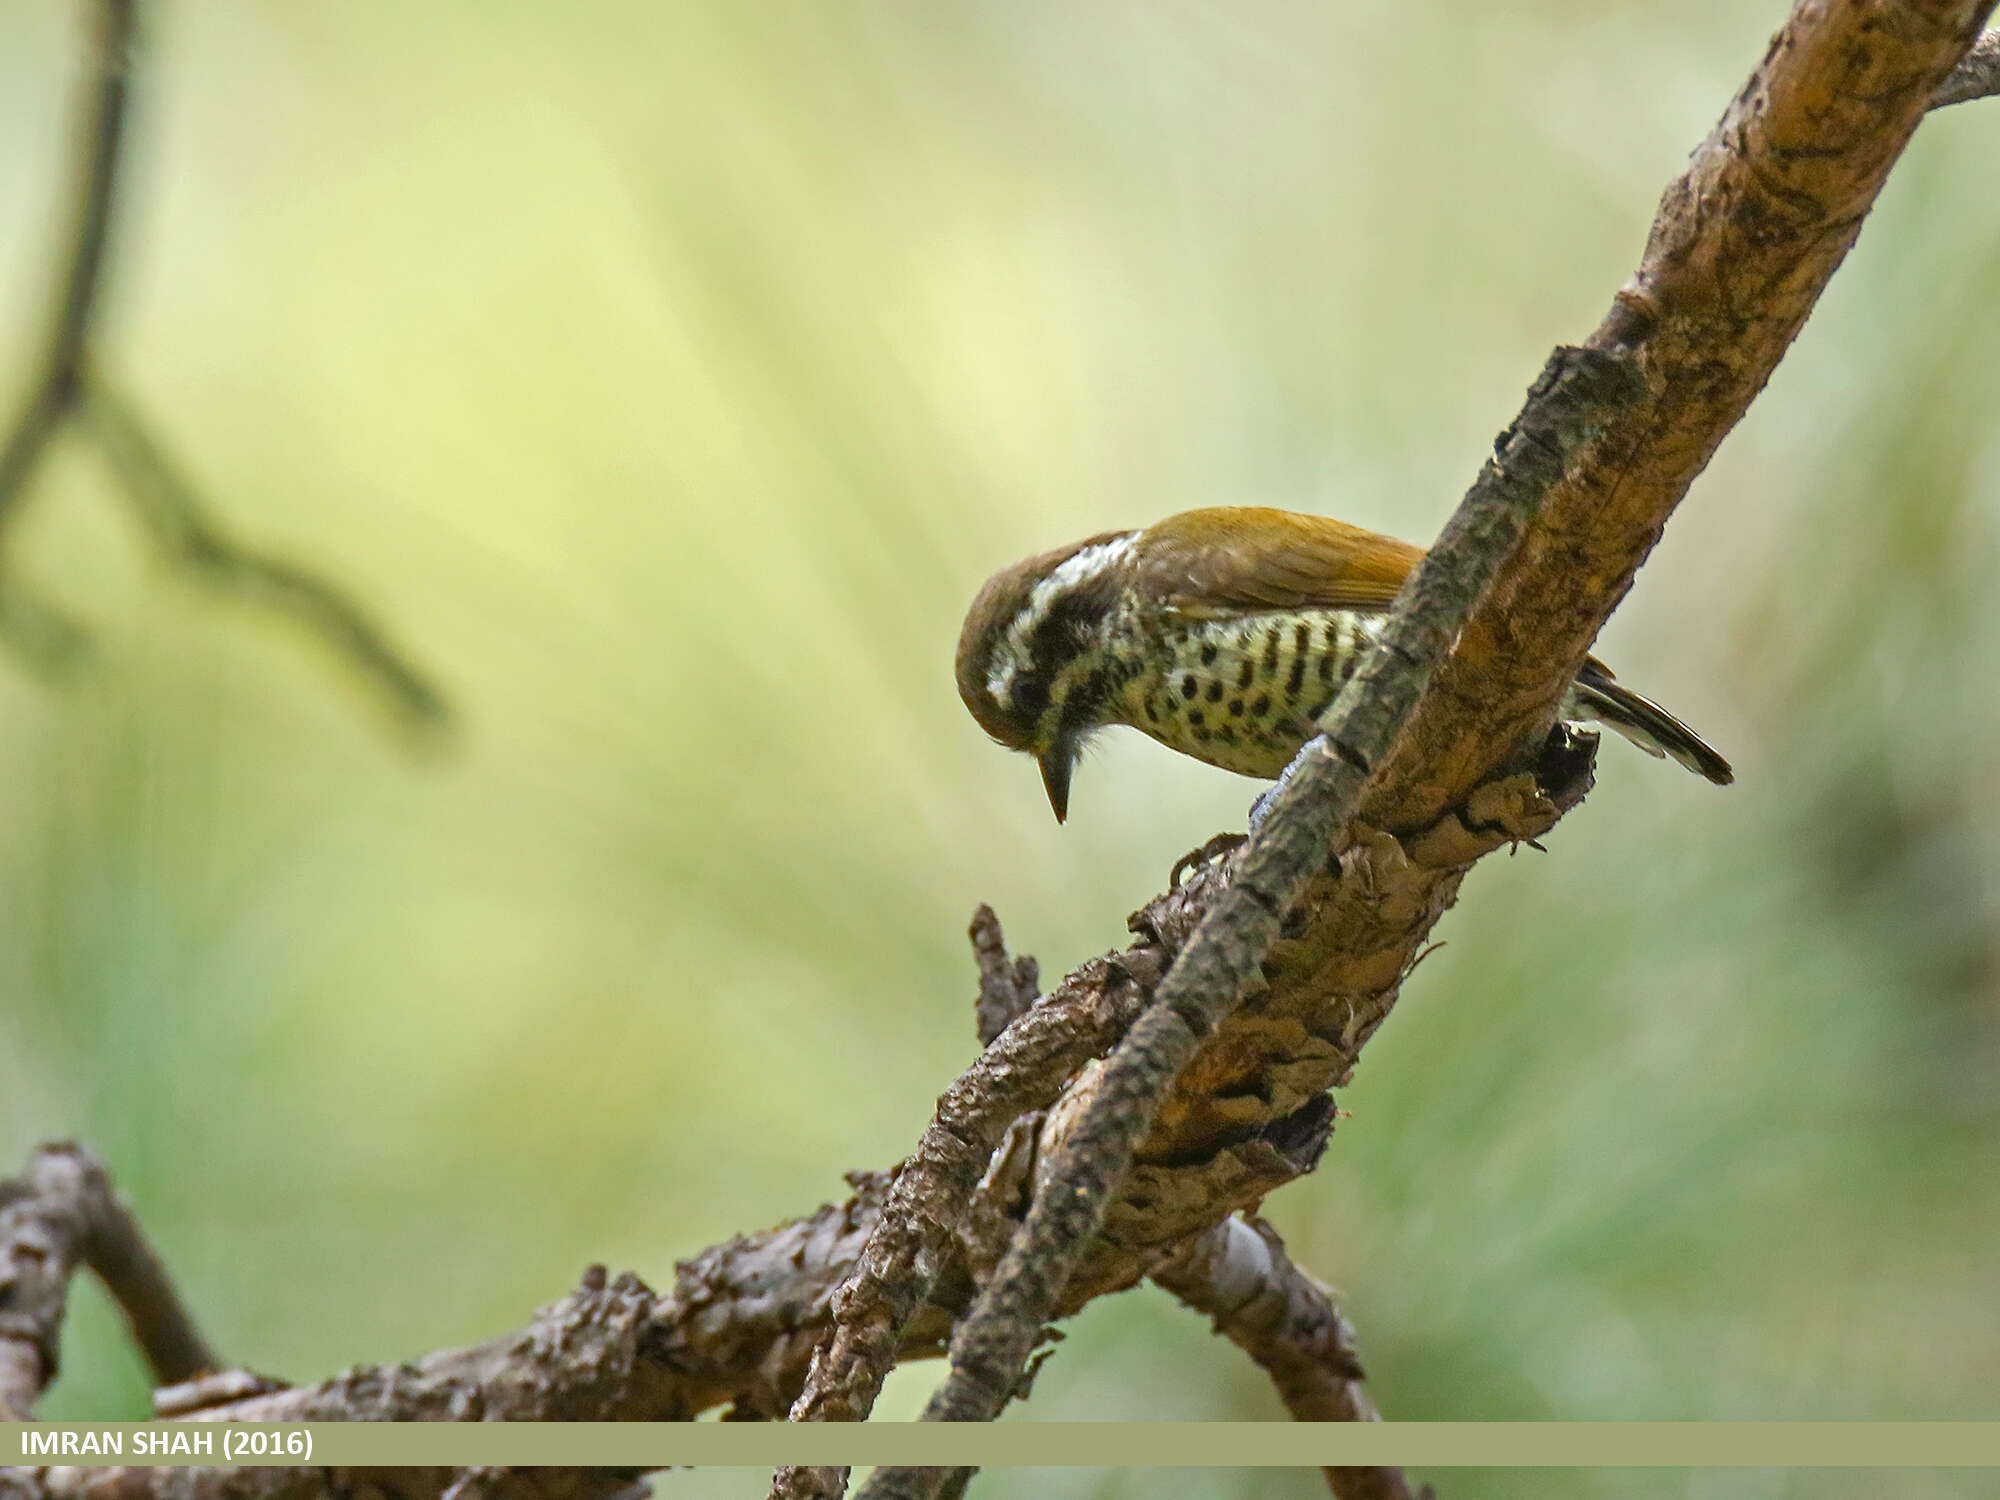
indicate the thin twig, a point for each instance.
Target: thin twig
{"x":1977,"y":75}
{"x":59,"y":1214}
{"x":56,"y":387}
{"x":1278,"y":1313}
{"x":171,"y":512}
{"x":1007,"y":986}
{"x":67,"y":384}
{"x":48,"y":640}
{"x":1023,"y":1070}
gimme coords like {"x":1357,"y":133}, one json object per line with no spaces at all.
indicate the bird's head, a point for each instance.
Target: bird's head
{"x":1031,"y":648}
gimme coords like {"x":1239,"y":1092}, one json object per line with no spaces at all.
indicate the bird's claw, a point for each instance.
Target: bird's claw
{"x":1195,"y":859}
{"x":1261,"y":808}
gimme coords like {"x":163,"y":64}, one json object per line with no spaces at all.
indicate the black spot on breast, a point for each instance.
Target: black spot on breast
{"x":1302,"y":637}
{"x":1298,"y":676}
{"x":1328,"y":665}
{"x":1261,"y":707}
{"x":1202,"y":735}
{"x":1272,"y":641}
{"x":1235,"y":708}
{"x":1243,"y":677}
{"x":1208,"y":654}
{"x":1291,"y":729}
{"x":1152,"y":712}
{"x":1197,"y":718}
{"x":1321,"y":707}
{"x":1215,"y":690}
{"x":1189,"y":687}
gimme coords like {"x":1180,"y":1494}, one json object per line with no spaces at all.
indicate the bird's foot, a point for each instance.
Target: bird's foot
{"x":1262,"y":806}
{"x":1195,"y":859}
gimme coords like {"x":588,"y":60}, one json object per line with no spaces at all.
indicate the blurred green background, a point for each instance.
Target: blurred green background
{"x":666,"y":378}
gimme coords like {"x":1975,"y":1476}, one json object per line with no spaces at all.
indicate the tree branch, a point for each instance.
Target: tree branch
{"x":1744,"y":243}
{"x":1977,"y":75}
{"x":1007,"y":986}
{"x":595,"y":1356}
{"x":55,"y":389}
{"x":929,"y":1208}
{"x":1126,"y":1173}
{"x":273,"y":1483}
{"x":1745,"y":240}
{"x":1278,"y":1313}
{"x":169,"y":509}
{"x":61,"y":1213}
{"x":1576,"y":397}
{"x":1023,"y":1071}
{"x":68,"y":385}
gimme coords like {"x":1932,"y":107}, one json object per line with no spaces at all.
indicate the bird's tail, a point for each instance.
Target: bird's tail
{"x":1643,"y":722}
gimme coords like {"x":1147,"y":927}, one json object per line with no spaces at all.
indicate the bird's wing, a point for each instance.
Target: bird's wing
{"x":1233,"y":560}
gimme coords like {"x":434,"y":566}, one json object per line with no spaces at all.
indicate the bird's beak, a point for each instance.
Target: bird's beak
{"x":1056,"y":766}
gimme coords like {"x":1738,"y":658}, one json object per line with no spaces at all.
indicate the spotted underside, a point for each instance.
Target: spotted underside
{"x":1225,"y":634}
{"x":1245,"y":693}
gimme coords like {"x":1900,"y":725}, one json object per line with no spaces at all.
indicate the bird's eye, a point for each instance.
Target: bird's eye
{"x":1031,"y":696}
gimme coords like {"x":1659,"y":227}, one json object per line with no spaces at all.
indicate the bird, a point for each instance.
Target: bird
{"x":1224,"y":633}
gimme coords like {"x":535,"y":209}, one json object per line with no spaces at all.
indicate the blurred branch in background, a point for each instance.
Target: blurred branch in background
{"x":60,"y":380}
{"x":170,"y":511}
{"x":69,"y":389}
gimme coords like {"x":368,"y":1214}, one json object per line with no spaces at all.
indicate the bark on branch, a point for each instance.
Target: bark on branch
{"x":1745,"y":241}
{"x":1278,"y":1313}
{"x":1125,"y":1157}
{"x":1508,"y":603}
{"x":1579,"y":394}
{"x":1976,"y":77}
{"x":58,"y":1215}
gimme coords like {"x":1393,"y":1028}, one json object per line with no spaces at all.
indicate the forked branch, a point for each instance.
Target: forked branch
{"x":1257,"y":983}
{"x":69,"y":385}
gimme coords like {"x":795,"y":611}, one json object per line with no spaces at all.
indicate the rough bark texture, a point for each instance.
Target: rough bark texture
{"x":1745,"y":242}
{"x":58,"y":1215}
{"x":1007,"y":986}
{"x":1976,"y":77}
{"x":1097,"y":1141}
{"x":1279,"y":1314}
{"x":592,"y":1357}
{"x":320,"y":1484}
{"x":1100,"y":1137}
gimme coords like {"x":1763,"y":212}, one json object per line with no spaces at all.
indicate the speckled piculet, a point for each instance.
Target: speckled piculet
{"x":1224,"y":634}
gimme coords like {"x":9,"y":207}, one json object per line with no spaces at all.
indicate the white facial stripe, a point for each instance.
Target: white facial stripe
{"x":1061,"y":579}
